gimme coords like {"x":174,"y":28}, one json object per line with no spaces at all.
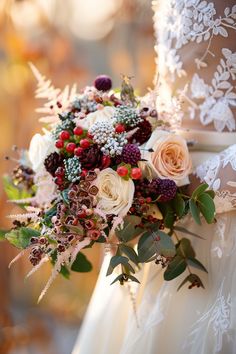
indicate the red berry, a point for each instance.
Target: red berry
{"x":122,"y":171}
{"x":106,"y":161}
{"x":148,"y":199}
{"x":70,"y":147}
{"x":60,"y":172}
{"x":59,"y":181}
{"x":84,"y":143}
{"x":120,"y":128}
{"x":64,"y":135}
{"x":136,"y":173}
{"x":59,"y":144}
{"x":84,"y":173}
{"x":90,"y":136}
{"x":78,"y":131}
{"x":78,"y":151}
{"x":82,"y":214}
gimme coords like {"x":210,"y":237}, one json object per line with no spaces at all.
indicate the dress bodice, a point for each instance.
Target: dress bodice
{"x":196,"y":55}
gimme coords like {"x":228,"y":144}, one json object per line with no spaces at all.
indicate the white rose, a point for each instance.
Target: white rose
{"x":115,"y":195}
{"x":40,"y":147}
{"x":100,"y":115}
{"x":170,"y":157}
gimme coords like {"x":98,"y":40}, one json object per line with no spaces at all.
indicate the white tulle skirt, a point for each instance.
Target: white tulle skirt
{"x":196,"y":321}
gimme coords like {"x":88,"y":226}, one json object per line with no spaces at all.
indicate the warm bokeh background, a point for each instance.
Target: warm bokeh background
{"x":69,"y":41}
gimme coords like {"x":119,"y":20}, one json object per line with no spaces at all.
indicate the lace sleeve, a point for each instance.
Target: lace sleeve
{"x":219,"y":172}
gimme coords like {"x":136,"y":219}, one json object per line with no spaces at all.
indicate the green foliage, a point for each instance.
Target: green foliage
{"x":192,"y":278}
{"x":186,"y":231}
{"x":155,"y":242}
{"x":193,"y":262}
{"x":13,"y":192}
{"x":47,"y":218}
{"x":119,"y":260}
{"x":2,"y":234}
{"x":176,"y":267}
{"x":129,"y":252}
{"x":179,"y":205}
{"x":130,"y":229}
{"x":185,"y":249}
{"x":168,"y":214}
{"x":21,"y":237}
{"x":202,"y":202}
{"x":81,"y":264}
{"x":64,"y":195}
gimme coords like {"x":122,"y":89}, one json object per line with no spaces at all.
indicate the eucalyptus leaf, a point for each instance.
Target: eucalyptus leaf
{"x":191,"y":278}
{"x":146,"y":247}
{"x":186,"y":231}
{"x":129,"y":252}
{"x":131,"y":277}
{"x":130,"y":229}
{"x":185,"y":249}
{"x":194,"y":211}
{"x":176,"y":267}
{"x":168,"y":214}
{"x":193,"y":262}
{"x":115,"y":261}
{"x":118,"y":278}
{"x":165,"y":244}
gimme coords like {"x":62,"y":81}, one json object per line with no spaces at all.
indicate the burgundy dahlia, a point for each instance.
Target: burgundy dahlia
{"x":131,"y":154}
{"x":91,"y":157}
{"x":103,"y":83}
{"x":143,"y":133}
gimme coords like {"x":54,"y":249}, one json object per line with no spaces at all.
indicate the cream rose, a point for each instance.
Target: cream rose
{"x":101,"y":115}
{"x":170,"y":158}
{"x":40,"y":147}
{"x":115,"y":195}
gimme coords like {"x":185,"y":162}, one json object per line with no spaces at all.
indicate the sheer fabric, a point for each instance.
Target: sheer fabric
{"x":196,"y":57}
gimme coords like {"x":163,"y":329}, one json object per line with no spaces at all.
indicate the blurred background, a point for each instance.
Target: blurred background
{"x":70,"y":42}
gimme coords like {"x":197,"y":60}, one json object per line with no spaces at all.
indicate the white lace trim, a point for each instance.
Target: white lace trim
{"x":179,"y":22}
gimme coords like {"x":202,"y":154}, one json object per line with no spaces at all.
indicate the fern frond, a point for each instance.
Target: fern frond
{"x":57,"y":100}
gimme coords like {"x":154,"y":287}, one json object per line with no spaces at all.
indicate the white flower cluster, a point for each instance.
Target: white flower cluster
{"x":104,"y":134}
{"x":73,"y":169}
{"x":127,"y":115}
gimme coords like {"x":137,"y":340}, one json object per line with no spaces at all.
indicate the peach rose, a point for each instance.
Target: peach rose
{"x":170,"y":158}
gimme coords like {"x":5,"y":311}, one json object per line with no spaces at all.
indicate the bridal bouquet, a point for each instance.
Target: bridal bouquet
{"x":108,"y":170}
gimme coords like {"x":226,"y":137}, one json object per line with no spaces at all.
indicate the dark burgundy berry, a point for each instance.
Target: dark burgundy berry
{"x":103,"y":83}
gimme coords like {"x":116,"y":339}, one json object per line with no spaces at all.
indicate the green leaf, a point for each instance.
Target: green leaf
{"x":21,"y":237}
{"x":179,"y":205}
{"x":131,"y":277}
{"x":192,"y":278}
{"x":176,"y":267}
{"x":185,"y":231}
{"x":199,"y":190}
{"x":185,"y":249}
{"x":165,"y":244}
{"x":211,"y":193}
{"x":193,"y":262}
{"x":2,"y":234}
{"x":194,"y":211}
{"x":115,"y":261}
{"x":117,"y":279}
{"x":207,"y":207}
{"x":129,"y":252}
{"x":13,"y":192}
{"x":146,"y":247}
{"x":130,"y":229}
{"x":64,"y":195}
{"x":81,"y":264}
{"x":168,"y":214}
{"x":47,"y":219}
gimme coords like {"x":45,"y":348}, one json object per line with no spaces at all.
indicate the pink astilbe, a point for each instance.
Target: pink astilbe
{"x":58,"y":100}
{"x":39,"y":265}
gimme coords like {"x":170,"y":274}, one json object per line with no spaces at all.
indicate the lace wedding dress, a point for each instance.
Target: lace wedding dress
{"x":196,"y":58}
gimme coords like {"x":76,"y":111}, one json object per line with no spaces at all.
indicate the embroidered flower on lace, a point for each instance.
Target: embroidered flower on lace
{"x":217,"y":97}
{"x":218,"y":318}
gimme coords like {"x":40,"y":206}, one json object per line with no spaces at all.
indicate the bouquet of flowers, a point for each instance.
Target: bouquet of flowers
{"x":108,"y":170}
